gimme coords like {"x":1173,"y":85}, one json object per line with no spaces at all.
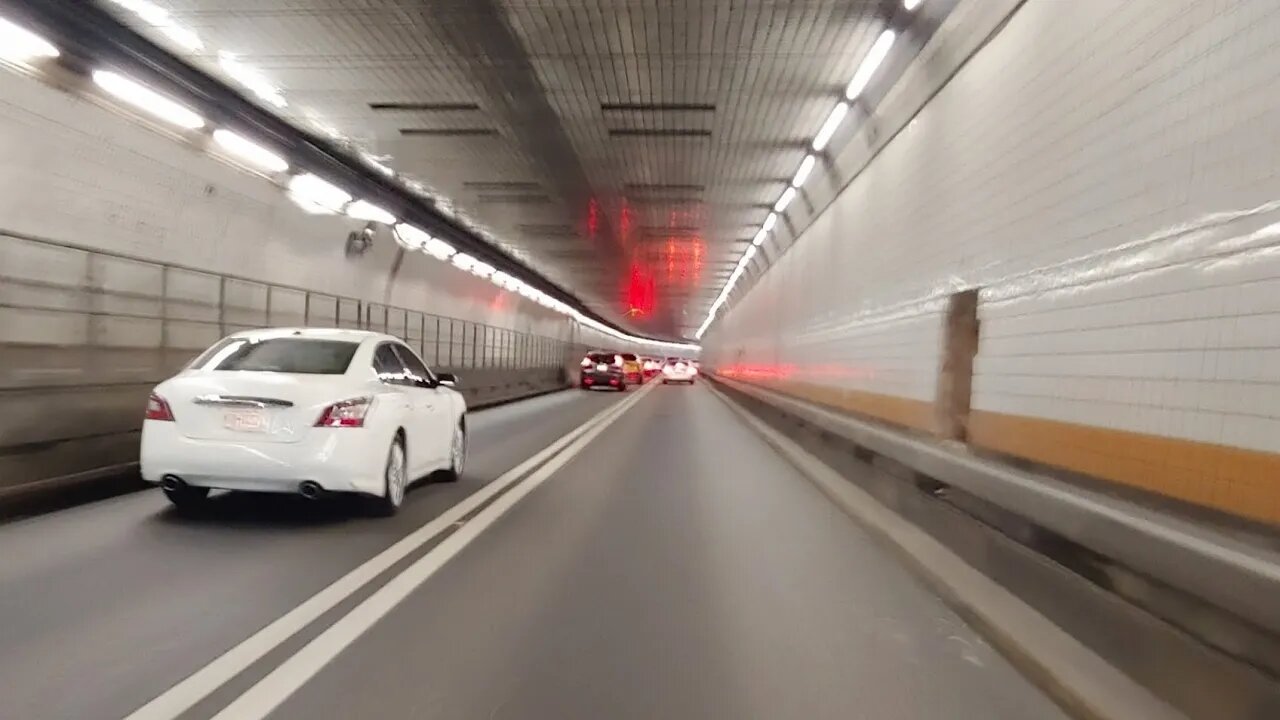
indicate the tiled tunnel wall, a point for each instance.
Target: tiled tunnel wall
{"x":1107,"y":175}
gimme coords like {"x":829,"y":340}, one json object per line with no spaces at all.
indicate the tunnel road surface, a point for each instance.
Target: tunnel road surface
{"x":675,"y":568}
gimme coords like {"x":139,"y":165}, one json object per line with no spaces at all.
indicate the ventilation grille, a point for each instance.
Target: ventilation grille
{"x":664,"y":187}
{"x":514,"y":199}
{"x":501,"y":186}
{"x":660,"y":132}
{"x":424,"y":107}
{"x":448,"y":132}
{"x":658,"y":120}
{"x":657,"y":107}
{"x":548,"y":231}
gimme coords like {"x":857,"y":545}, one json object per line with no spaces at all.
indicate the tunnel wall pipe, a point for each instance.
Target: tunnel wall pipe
{"x":1105,"y":176}
{"x":125,"y":251}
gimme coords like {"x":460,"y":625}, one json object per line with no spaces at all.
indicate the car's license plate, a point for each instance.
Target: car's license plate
{"x":245,"y":421}
{"x":602,"y":368}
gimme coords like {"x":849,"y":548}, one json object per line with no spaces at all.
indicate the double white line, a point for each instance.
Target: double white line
{"x":285,"y":679}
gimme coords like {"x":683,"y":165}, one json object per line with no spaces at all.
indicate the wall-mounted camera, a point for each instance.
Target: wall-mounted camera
{"x":359,"y":241}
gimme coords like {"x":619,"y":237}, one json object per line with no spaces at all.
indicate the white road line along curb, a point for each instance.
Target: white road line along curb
{"x":1081,"y":679}
{"x":279,"y":684}
{"x":202,"y":683}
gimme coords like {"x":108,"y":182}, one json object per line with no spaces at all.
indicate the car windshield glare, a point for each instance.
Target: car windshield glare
{"x":293,"y":355}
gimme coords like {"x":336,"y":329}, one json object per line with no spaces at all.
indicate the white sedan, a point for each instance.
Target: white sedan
{"x":303,"y":411}
{"x":678,"y":370}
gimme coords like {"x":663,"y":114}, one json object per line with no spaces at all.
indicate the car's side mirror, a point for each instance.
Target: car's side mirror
{"x":447,"y":379}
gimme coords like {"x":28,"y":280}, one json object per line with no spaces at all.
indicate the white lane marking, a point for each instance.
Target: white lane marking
{"x":264,"y":697}
{"x":200,"y":684}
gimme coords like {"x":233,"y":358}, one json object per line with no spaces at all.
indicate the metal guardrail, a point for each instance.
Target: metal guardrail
{"x":1234,"y":576}
{"x":55,"y":294}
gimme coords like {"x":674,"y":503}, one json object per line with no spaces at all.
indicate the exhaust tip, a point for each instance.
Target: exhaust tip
{"x":310,"y":490}
{"x":172,"y":483}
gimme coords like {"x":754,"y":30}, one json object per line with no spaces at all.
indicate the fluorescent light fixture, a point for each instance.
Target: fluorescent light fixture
{"x":184,"y":37}
{"x":377,"y":164}
{"x":758,"y":240}
{"x":769,"y":222}
{"x":464,"y":261}
{"x":149,"y":12}
{"x":317,"y":196}
{"x":147,"y":99}
{"x":870,"y":64}
{"x":806,"y":167}
{"x":20,"y":44}
{"x":251,"y":79}
{"x":411,"y":237}
{"x":439,"y":249}
{"x":365,"y":210}
{"x":787,"y":196}
{"x":911,"y":4}
{"x":481,"y":269}
{"x":155,"y":15}
{"x":750,"y":253}
{"x":504,"y":280}
{"x":249,"y":151}
{"x":830,"y":126}
{"x":319,"y":124}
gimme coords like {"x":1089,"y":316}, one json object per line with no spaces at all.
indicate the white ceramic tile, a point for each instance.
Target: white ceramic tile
{"x":1082,"y":128}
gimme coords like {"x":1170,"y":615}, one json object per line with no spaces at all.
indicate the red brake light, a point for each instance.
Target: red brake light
{"x":348,"y":413}
{"x":158,"y":409}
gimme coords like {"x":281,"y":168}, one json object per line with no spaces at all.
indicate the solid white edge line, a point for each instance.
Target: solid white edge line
{"x":278,"y":685}
{"x":203,"y":682}
{"x":1066,"y":668}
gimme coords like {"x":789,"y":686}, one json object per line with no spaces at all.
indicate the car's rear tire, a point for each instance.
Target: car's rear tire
{"x":622,"y":387}
{"x":187,"y":497}
{"x":395,"y":478}
{"x":457,"y":453}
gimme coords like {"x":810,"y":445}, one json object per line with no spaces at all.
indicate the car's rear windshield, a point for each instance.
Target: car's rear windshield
{"x":302,"y":356}
{"x":629,"y":357}
{"x":601,"y":357}
{"x":674,"y":360}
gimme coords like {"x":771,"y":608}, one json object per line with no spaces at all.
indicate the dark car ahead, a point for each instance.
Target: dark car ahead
{"x":603,"y":369}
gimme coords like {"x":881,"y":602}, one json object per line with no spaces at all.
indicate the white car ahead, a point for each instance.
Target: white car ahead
{"x":678,"y":370}
{"x":303,"y":411}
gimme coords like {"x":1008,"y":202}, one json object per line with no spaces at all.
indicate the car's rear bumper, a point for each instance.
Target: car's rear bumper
{"x":674,"y":378}
{"x":599,"y":378}
{"x":337,"y":459}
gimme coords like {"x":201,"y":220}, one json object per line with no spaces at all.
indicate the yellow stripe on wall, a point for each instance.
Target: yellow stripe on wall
{"x":1242,"y":482}
{"x":1238,"y":481}
{"x":907,"y":412}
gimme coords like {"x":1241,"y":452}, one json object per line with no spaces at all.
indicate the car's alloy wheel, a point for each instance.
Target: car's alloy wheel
{"x":457,"y":453}
{"x":396,"y":477}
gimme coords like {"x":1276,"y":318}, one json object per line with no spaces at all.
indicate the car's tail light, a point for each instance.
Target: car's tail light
{"x":158,"y":409}
{"x":348,"y":413}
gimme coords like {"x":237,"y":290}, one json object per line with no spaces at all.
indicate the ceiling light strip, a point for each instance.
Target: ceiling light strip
{"x":309,"y":191}
{"x":861,"y":78}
